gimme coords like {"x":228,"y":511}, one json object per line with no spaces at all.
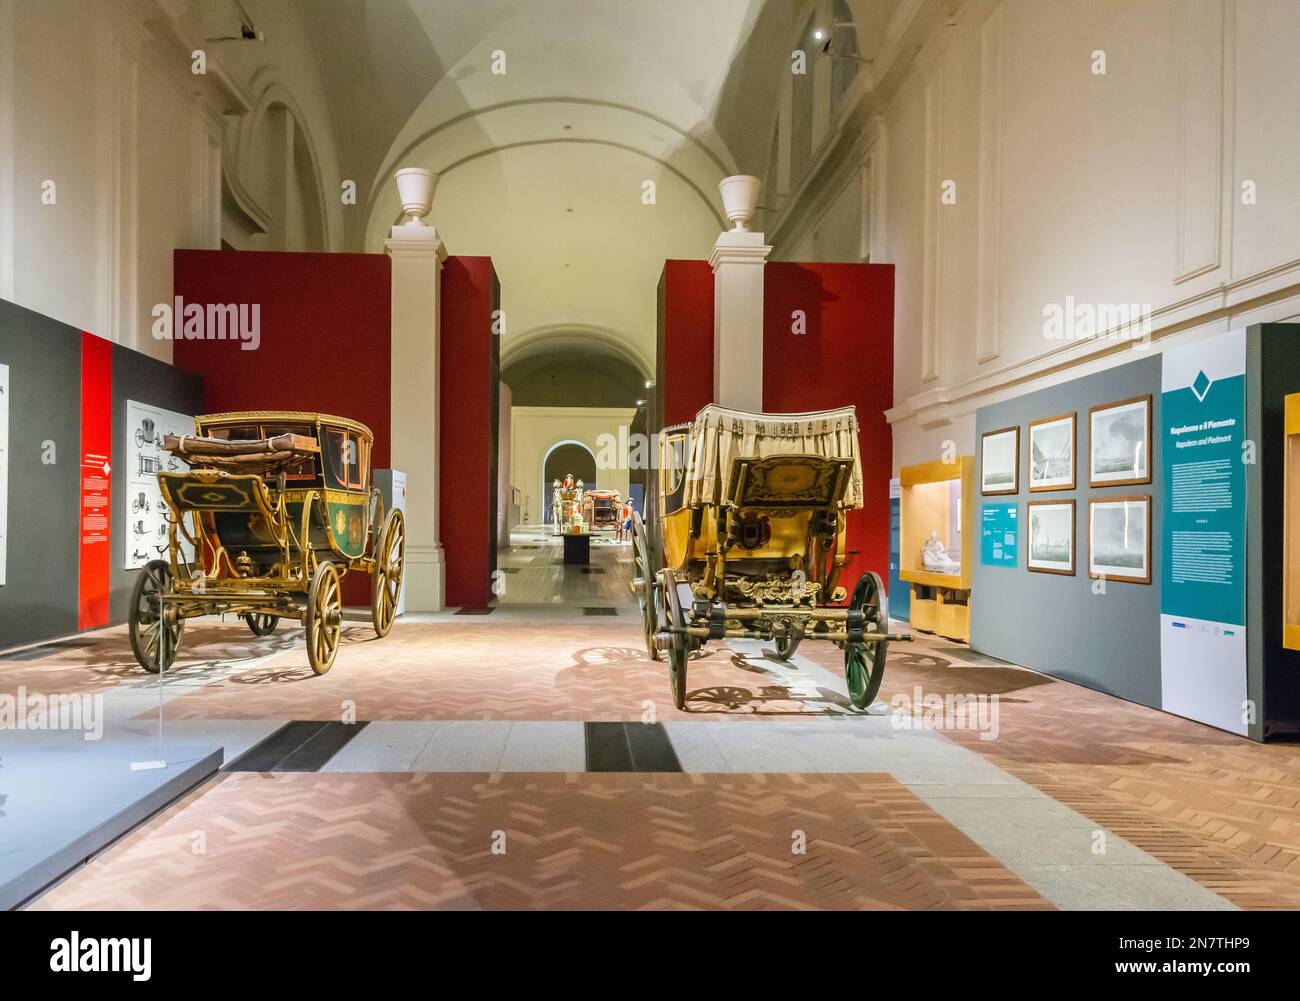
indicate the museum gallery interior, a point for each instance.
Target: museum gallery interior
{"x":573,"y":455}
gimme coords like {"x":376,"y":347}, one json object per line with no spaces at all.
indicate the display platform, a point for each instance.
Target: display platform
{"x":64,"y":798}
{"x":577,"y":549}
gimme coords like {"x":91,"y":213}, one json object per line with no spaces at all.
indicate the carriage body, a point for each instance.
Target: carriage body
{"x":602,"y":508}
{"x":279,"y":507}
{"x":752,"y":531}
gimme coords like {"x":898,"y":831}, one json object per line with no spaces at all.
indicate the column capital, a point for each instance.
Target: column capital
{"x":739,"y":246}
{"x":414,"y":242}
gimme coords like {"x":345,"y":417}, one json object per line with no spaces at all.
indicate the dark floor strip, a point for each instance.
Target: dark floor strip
{"x":607,"y":748}
{"x":299,"y":746}
{"x":652,"y":751}
{"x":476,"y":611}
{"x":588,"y":610}
{"x":629,"y":747}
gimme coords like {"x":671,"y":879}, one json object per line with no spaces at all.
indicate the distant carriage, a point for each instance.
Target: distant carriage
{"x":279,"y":507}
{"x":752,"y":525}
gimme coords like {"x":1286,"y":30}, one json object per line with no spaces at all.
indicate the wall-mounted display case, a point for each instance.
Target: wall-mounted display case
{"x":1291,"y":526}
{"x":936,"y":542}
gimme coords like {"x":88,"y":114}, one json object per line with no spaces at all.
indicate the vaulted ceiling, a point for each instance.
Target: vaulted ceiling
{"x":543,"y":164}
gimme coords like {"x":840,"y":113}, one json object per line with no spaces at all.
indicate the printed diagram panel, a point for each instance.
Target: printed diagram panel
{"x":144,"y":512}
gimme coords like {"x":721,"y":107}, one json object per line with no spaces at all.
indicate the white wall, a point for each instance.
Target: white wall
{"x":98,"y":97}
{"x":1115,"y":188}
{"x":533,"y":430}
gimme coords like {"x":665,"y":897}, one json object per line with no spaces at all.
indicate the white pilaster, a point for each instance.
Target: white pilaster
{"x":417,"y":254}
{"x":737,"y":261}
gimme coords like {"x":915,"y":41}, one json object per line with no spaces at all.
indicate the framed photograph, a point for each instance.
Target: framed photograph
{"x":1051,"y":453}
{"x":1051,"y":537}
{"x":1119,"y":443}
{"x":1119,"y":538}
{"x":1000,"y":461}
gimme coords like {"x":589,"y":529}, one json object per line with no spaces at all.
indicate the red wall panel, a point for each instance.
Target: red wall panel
{"x":685,"y":349}
{"x":846,"y":356}
{"x":95,"y":514}
{"x":468,"y":436}
{"x":324,"y":340}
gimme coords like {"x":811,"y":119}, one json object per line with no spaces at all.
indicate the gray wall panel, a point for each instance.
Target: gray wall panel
{"x":1052,"y":623}
{"x":39,"y":600}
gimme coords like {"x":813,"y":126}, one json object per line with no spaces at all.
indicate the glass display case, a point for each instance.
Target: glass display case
{"x":936,"y":509}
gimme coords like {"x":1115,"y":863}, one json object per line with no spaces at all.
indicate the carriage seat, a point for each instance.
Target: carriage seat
{"x":788,"y":481}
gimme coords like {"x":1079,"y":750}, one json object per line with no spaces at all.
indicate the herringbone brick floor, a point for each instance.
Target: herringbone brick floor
{"x":589,"y":841}
{"x":1219,"y":808}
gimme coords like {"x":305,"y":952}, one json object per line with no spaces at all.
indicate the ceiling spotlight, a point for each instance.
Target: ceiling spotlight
{"x":649,"y":383}
{"x":819,"y":34}
{"x":640,"y":403}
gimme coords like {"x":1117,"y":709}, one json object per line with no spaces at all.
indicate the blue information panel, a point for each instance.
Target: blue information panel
{"x":1203,"y":533}
{"x":999,"y":534}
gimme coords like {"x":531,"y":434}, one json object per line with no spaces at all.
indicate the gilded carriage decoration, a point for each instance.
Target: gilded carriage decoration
{"x":279,"y":508}
{"x":752,"y":524}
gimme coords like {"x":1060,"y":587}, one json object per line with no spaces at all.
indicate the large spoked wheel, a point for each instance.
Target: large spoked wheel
{"x":386,"y":581}
{"x":262,"y":625}
{"x":864,"y":663}
{"x":679,"y":646}
{"x":324,"y":617}
{"x":645,"y":585}
{"x":145,"y":625}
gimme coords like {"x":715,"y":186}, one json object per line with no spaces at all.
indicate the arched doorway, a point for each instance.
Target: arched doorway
{"x":566,"y":457}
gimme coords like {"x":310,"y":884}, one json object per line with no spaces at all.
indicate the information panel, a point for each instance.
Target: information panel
{"x":1203,"y":536}
{"x":999,"y":534}
{"x":145,"y":513}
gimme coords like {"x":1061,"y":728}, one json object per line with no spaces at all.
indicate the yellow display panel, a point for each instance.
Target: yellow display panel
{"x":1291,"y":527}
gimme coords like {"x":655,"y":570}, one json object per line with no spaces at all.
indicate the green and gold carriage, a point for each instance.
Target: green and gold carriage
{"x":278,"y":507}
{"x":751,"y":536}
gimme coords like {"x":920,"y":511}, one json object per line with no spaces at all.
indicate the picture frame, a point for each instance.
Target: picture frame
{"x":1049,"y":526}
{"x":1119,"y":443}
{"x":1119,"y":538}
{"x":1052,"y":453}
{"x":997,"y":474}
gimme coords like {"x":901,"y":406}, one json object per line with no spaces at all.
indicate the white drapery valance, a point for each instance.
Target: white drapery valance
{"x":719,"y":435}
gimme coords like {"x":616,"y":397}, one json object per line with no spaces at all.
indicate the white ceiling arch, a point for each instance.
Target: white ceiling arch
{"x":547,"y":126}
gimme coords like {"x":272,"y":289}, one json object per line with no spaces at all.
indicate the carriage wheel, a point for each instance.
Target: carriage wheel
{"x":679,"y":646}
{"x":864,"y":663}
{"x":324,"y":617}
{"x":262,"y":625}
{"x":145,"y":625}
{"x":645,"y":593}
{"x":386,"y":581}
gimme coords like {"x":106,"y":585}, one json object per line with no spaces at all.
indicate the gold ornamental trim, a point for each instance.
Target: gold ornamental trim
{"x":278,"y":416}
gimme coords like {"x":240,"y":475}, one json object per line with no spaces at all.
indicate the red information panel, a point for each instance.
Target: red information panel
{"x":96,"y":479}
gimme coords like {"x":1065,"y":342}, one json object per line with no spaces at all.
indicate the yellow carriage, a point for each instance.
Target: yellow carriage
{"x":751,"y":529}
{"x":278,"y":507}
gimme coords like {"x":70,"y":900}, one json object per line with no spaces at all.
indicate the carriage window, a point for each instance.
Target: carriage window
{"x":345,"y":458}
{"x":236,"y":432}
{"x":672,"y":460}
{"x":305,"y":470}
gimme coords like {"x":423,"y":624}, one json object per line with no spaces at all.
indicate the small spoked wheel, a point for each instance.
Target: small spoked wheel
{"x":147,"y":613}
{"x":262,"y":625}
{"x":864,"y":663}
{"x":679,"y":646}
{"x":386,"y":581}
{"x":324,"y":617}
{"x":645,"y":586}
